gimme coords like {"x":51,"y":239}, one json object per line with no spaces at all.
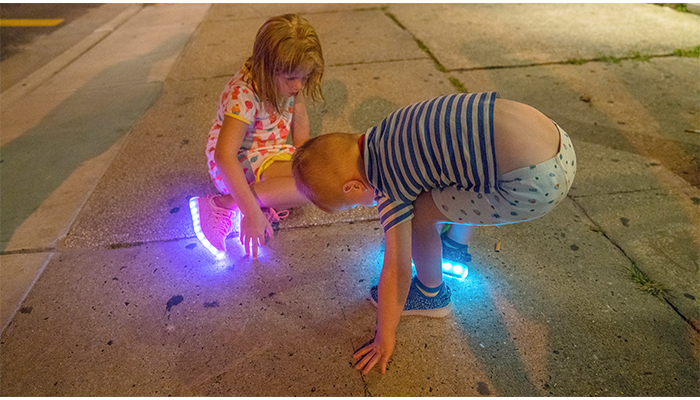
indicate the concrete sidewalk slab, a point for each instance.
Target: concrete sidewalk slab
{"x":539,"y":318}
{"x":472,"y":36}
{"x":125,"y":310}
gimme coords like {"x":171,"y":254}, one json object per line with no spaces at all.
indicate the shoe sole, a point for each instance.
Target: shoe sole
{"x":434,"y":313}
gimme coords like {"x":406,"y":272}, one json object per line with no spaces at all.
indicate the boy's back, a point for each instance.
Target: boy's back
{"x":437,"y":143}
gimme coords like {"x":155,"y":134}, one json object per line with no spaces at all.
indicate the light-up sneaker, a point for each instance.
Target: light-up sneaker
{"x":419,"y":304}
{"x":212,"y":224}
{"x":455,"y":252}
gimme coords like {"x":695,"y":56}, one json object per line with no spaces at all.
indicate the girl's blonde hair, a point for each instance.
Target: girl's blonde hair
{"x":282,"y":45}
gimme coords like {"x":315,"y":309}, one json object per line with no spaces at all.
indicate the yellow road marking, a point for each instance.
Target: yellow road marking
{"x":30,"y":22}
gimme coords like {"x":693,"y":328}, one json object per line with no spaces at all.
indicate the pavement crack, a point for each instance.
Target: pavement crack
{"x":376,"y":62}
{"x":637,"y":275}
{"x":582,"y":196}
{"x":577,"y":61}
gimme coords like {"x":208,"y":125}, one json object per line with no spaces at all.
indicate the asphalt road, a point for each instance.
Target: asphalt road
{"x":16,"y":39}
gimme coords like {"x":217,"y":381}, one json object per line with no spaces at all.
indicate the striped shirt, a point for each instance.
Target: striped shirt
{"x":433,"y":144}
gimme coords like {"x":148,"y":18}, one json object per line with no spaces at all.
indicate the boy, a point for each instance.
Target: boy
{"x":463,"y":159}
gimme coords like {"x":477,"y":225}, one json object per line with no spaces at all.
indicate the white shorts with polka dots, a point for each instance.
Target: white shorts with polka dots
{"x":524,"y":194}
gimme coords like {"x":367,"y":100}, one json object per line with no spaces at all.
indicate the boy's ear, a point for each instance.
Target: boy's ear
{"x":354,"y":185}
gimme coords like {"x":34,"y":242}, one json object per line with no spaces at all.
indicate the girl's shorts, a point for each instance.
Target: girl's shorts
{"x":523,"y":194}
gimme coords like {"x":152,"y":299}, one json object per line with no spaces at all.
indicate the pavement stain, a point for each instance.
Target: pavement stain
{"x":483,"y":389}
{"x":175,"y":300}
{"x":213,"y":304}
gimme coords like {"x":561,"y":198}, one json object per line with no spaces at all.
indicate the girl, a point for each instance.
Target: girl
{"x":248,"y":158}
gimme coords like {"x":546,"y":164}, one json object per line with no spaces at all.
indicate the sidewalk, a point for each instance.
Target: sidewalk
{"x":129,"y":304}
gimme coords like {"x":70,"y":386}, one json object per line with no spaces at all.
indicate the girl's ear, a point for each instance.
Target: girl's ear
{"x":354,"y":185}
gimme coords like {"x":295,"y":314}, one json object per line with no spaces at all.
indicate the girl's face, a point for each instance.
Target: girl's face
{"x":289,"y":84}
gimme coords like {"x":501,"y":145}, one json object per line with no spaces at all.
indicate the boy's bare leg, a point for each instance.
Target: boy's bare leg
{"x":460,"y":233}
{"x":426,"y":246}
{"x":276,"y":189}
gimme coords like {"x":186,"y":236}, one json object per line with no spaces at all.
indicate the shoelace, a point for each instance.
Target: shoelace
{"x":223,"y":219}
{"x":274,"y":216}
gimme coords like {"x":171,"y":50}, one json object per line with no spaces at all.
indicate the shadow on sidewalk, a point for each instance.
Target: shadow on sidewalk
{"x":81,"y":128}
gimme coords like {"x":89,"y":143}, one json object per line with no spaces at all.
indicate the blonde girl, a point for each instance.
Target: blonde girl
{"x":248,"y":156}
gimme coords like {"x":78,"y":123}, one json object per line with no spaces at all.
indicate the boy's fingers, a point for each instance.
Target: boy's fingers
{"x":361,"y":352}
{"x":361,"y":364}
{"x":371,"y":363}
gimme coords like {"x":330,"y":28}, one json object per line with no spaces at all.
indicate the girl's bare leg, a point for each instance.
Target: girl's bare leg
{"x":276,"y":189}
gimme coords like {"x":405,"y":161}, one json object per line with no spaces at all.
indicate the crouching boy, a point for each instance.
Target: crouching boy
{"x":465,"y":160}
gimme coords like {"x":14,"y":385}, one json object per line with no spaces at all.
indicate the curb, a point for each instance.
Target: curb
{"x":34,"y":80}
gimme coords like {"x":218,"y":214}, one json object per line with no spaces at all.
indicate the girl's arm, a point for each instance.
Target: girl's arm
{"x":394,"y":284}
{"x":254,"y":225}
{"x":300,"y":121}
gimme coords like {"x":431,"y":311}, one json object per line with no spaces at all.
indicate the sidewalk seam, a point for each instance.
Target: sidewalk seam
{"x":598,"y":228}
{"x":565,"y":62}
{"x":456,"y":83}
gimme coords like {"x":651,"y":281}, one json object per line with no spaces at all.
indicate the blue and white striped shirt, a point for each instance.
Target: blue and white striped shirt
{"x":433,"y":144}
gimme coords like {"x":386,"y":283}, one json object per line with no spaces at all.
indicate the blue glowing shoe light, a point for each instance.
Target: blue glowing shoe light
{"x":458,"y":271}
{"x":454,"y":270}
{"x":194,"y":210}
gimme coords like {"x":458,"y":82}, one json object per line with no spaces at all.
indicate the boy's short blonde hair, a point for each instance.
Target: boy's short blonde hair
{"x":322,"y":165}
{"x":282,"y":45}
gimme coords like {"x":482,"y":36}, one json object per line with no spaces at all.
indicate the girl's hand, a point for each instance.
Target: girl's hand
{"x":377,"y":351}
{"x":254,"y":228}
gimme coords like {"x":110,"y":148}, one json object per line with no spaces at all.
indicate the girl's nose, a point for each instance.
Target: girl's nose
{"x":297,"y":84}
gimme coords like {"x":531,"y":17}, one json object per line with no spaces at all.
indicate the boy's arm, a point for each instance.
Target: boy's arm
{"x":394,"y":284}
{"x":300,"y":121}
{"x":254,"y":224}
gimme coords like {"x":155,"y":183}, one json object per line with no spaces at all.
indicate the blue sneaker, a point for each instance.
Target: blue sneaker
{"x":455,"y":252}
{"x":419,"y":304}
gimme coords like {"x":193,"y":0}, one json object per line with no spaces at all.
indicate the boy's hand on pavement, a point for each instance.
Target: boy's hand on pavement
{"x":377,"y":351}
{"x":254,"y":228}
